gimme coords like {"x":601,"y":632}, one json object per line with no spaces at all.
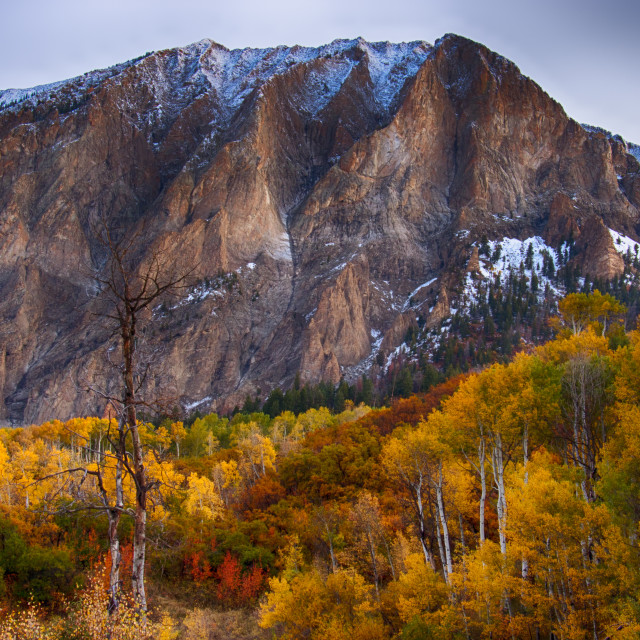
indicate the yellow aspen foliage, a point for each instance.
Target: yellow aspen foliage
{"x":561,"y":536}
{"x":167,"y":482}
{"x":419,"y":591}
{"x":282,"y":427}
{"x":587,"y":342}
{"x":351,"y":413}
{"x":258,"y":455}
{"x":147,"y":433}
{"x":162,"y":439}
{"x":87,"y":617}
{"x":5,"y":486}
{"x":202,"y":498}
{"x":164,"y":472}
{"x":292,"y":560}
{"x":311,"y":420}
{"x":232,"y":477}
{"x":628,"y":379}
{"x":178,"y":434}
{"x":308,"y":606}
{"x":581,"y":310}
{"x":619,"y":482}
{"x":167,"y":628}
{"x":480,"y":585}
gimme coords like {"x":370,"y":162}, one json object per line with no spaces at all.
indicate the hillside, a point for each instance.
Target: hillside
{"x":500,"y":504}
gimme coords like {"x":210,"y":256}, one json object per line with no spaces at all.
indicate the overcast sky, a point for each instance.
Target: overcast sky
{"x":584,"y":53}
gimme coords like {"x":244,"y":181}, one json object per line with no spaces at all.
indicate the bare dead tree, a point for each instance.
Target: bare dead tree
{"x":130,"y":283}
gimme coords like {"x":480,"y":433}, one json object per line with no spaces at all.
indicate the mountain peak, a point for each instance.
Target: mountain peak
{"x":334,"y":200}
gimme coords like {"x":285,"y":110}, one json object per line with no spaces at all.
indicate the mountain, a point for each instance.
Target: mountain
{"x":330,"y":199}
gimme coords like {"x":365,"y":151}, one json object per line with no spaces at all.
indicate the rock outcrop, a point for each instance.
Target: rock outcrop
{"x":316,"y":192}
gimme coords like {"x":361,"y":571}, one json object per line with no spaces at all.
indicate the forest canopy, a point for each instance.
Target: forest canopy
{"x":504,"y":503}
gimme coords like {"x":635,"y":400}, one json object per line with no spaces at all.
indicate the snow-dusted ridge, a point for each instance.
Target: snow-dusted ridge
{"x":77,"y":85}
{"x":632,"y":148}
{"x":234,"y":74}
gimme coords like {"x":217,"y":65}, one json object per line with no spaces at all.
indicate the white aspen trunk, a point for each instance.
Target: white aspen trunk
{"x":443,"y":522}
{"x":418,"y":491}
{"x":441,"y":550}
{"x":331,"y":554}
{"x":463,"y":546}
{"x":139,"y":556}
{"x":116,"y":558}
{"x":482,"y":453}
{"x":114,"y":540}
{"x":497,"y":463}
{"x":525,"y":453}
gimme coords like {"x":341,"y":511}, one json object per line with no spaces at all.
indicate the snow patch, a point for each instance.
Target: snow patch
{"x":192,"y":405}
{"x":624,"y":244}
{"x":512,"y":258}
{"x":406,"y":305}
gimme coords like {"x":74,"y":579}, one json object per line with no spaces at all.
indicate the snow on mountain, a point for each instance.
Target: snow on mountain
{"x":179,"y":75}
{"x":512,"y":256}
{"x":623,"y":244}
{"x":632,"y":148}
{"x":234,"y":74}
{"x":391,"y":64}
{"x":72,"y":88}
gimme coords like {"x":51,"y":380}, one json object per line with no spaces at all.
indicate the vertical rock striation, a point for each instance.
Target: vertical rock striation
{"x":319,"y":193}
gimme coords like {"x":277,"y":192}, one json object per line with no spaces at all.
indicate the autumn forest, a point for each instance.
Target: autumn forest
{"x":501,"y":503}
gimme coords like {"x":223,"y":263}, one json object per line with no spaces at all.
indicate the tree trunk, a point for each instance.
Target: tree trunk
{"x":139,"y":553}
{"x":483,"y":485}
{"x":422,"y":529}
{"x":443,"y":522}
{"x":389,"y":558}
{"x":114,"y":539}
{"x":497,"y":463}
{"x":116,"y":557}
{"x":374,"y":563}
{"x":525,"y":451}
{"x":139,"y":474}
{"x":330,"y":541}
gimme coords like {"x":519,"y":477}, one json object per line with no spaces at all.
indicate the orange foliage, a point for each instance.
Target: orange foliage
{"x":198,"y":566}
{"x":266,"y":491}
{"x":236,"y":588}
{"x":410,"y":410}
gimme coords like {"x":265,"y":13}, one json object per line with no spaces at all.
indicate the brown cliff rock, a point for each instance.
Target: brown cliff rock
{"x":597,"y":253}
{"x":338,"y":334}
{"x":314,"y":190}
{"x":563,"y":221}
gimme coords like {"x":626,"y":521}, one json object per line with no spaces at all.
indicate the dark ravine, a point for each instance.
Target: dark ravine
{"x":333,"y":182}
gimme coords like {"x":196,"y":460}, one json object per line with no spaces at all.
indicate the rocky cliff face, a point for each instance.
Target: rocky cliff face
{"x":324,"y":196}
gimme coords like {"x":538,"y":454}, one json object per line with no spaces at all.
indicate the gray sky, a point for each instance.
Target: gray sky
{"x":584,"y":53}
